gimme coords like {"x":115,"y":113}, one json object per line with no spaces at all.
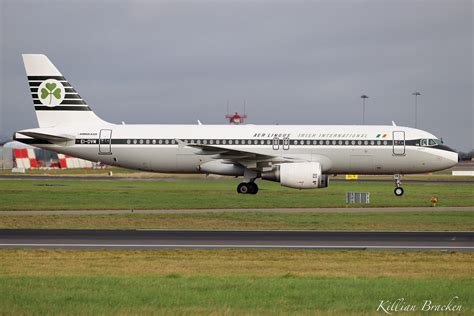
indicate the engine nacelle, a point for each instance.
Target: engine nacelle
{"x":298,"y":175}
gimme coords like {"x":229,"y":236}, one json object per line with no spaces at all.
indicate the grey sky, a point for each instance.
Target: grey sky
{"x":294,"y":62}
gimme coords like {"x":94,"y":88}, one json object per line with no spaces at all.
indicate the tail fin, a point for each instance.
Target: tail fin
{"x":56,"y":101}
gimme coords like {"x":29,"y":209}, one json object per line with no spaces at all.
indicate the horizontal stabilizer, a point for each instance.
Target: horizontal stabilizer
{"x":48,"y":137}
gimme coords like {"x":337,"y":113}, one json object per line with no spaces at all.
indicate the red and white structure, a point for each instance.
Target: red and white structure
{"x":30,"y":158}
{"x":69,"y":162}
{"x":25,"y":158}
{"x":236,"y":118}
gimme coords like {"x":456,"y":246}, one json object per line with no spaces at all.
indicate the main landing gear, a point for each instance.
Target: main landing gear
{"x":398,"y":182}
{"x":247,"y":188}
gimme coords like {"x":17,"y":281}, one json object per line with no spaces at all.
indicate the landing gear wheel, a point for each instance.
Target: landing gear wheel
{"x":247,"y":188}
{"x":398,"y":191}
{"x":243,"y":188}
{"x":398,"y":182}
{"x":253,"y":188}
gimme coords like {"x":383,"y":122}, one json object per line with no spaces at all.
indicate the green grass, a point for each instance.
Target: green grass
{"x":221,"y":294}
{"x":393,"y":221}
{"x":74,"y":194}
{"x":227,"y":281}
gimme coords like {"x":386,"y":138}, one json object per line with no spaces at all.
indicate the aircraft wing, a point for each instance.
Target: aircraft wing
{"x":246,"y":158}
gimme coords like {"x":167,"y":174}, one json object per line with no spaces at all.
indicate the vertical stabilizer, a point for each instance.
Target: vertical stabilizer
{"x":56,"y":101}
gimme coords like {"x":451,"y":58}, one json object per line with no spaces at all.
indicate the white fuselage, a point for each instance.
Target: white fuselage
{"x":339,"y":149}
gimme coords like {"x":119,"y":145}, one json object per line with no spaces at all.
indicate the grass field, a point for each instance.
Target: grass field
{"x":228,"y":281}
{"x":182,"y":194}
{"x":396,"y":221}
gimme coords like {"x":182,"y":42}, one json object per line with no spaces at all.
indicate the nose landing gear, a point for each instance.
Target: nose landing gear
{"x":398,"y":182}
{"x":247,"y":188}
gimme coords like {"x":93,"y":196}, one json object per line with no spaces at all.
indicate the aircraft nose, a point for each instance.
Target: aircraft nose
{"x":451,"y":158}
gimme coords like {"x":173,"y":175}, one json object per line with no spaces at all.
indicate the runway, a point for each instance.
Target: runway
{"x":177,"y":239}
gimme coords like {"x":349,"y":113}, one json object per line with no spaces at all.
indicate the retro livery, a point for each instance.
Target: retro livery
{"x":297,"y":156}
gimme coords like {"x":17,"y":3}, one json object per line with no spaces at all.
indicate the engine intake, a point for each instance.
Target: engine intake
{"x":298,"y":175}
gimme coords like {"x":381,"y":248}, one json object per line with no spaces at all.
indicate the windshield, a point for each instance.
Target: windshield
{"x":430,"y":142}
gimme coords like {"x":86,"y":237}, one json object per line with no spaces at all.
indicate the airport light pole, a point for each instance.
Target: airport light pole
{"x":416,"y":94}
{"x":363,"y":97}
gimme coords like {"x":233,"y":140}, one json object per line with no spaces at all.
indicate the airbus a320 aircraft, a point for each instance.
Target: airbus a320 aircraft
{"x":297,"y":156}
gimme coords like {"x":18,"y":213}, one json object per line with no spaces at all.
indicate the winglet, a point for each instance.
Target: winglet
{"x":393,"y":123}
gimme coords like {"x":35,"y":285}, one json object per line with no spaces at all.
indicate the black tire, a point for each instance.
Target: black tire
{"x":398,"y":191}
{"x":253,"y":188}
{"x":243,"y":188}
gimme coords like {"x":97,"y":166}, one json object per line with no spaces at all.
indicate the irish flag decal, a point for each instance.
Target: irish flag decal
{"x":381,"y":135}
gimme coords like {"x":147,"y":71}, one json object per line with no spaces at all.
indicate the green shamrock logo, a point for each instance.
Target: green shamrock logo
{"x":50,"y":90}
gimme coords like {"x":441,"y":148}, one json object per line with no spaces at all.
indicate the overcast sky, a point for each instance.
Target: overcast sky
{"x":294,"y":62}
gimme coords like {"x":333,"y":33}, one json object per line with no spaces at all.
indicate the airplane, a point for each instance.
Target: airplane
{"x":297,"y":156}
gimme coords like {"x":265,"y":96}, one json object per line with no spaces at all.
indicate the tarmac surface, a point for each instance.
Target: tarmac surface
{"x":259,"y":210}
{"x":177,"y":239}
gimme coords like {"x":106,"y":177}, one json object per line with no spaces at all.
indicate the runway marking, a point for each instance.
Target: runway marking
{"x":236,"y":246}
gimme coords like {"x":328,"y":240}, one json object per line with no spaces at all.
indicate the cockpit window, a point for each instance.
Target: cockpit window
{"x":430,"y":142}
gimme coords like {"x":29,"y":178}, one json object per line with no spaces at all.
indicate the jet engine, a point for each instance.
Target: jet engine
{"x":298,"y":175}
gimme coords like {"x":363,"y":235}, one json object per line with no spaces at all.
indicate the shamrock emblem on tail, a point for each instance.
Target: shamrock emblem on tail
{"x":51,"y":91}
